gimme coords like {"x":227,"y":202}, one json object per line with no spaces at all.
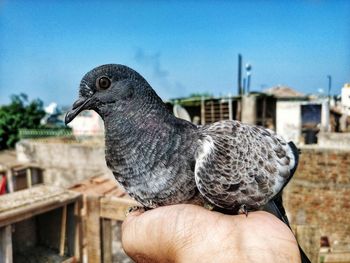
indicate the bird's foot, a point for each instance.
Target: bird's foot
{"x":135,"y":209}
{"x":243,"y":210}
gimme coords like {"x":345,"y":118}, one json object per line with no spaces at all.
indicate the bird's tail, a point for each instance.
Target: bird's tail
{"x":296,"y":153}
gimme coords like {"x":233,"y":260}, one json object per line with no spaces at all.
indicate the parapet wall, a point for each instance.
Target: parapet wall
{"x":64,"y":163}
{"x":334,"y":140}
{"x":319,"y":193}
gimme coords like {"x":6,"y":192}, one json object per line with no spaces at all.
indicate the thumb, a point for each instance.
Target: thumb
{"x":145,"y":236}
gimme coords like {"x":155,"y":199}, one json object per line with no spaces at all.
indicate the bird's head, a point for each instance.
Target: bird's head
{"x":106,"y":87}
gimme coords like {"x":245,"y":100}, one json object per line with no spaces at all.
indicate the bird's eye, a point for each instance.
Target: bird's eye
{"x":104,"y":83}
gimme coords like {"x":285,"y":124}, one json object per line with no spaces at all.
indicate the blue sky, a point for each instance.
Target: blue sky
{"x":180,"y":47}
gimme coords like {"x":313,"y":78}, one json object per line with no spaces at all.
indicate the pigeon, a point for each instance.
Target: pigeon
{"x":162,"y":160}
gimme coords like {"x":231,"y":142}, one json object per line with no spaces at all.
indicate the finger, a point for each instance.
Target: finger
{"x":142,"y":235}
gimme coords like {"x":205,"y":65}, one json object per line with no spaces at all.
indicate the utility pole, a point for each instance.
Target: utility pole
{"x":248,"y":68}
{"x":329,"y":85}
{"x":239,"y":78}
{"x":239,"y":89}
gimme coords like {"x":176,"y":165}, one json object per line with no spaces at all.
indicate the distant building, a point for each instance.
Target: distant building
{"x":298,"y":117}
{"x":87,"y":123}
{"x":293,"y":115}
{"x":345,"y":99}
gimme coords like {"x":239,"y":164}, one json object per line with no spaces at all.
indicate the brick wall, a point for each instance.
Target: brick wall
{"x":319,"y":193}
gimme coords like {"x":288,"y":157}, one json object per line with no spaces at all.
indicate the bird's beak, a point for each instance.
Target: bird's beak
{"x":78,"y":106}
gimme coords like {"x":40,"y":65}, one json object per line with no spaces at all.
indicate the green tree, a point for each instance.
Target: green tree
{"x":20,"y":113}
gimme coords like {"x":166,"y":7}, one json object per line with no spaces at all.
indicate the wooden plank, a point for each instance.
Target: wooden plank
{"x":100,"y":189}
{"x":115,"y":208}
{"x":78,"y":235}
{"x":6,"y":245}
{"x":239,"y":110}
{"x":85,"y":184}
{"x":100,"y":179}
{"x":106,"y":240}
{"x":63,"y":230}
{"x":23,"y":166}
{"x":28,"y":196}
{"x":92,"y":234}
{"x":88,"y":188}
{"x":230,"y":109}
{"x":78,"y":188}
{"x":29,"y":177}
{"x":117,"y":192}
{"x":105,"y":187}
{"x":30,"y":202}
{"x":70,"y":260}
{"x":16,"y":216}
{"x":18,"y":167}
{"x":9,"y":180}
{"x":73,"y":240}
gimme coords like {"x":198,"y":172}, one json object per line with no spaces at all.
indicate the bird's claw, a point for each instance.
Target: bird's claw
{"x":134,"y":209}
{"x":243,"y":210}
{"x":208,"y":206}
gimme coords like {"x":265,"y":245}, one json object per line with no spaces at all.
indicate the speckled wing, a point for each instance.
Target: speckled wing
{"x":240,"y":164}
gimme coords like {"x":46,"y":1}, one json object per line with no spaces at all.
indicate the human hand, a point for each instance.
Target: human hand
{"x":189,"y":233}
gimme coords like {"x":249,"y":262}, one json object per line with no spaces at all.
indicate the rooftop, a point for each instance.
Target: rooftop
{"x":284,"y":92}
{"x":347,"y":86}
